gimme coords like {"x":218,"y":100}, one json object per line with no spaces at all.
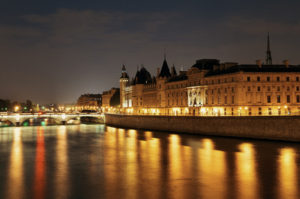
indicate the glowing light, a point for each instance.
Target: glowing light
{"x":17,"y":108}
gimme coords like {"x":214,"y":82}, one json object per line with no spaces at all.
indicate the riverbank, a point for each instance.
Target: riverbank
{"x":285,"y":128}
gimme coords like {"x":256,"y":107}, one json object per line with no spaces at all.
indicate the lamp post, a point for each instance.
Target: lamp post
{"x":16,"y":108}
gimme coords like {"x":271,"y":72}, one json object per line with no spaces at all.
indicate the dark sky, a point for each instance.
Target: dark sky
{"x":53,"y":51}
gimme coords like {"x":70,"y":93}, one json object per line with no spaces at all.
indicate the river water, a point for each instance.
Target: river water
{"x":95,"y":161}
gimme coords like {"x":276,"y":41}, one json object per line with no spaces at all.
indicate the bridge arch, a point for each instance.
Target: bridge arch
{"x":6,"y":122}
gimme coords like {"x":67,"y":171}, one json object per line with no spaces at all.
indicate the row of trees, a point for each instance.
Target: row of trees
{"x":7,"y":105}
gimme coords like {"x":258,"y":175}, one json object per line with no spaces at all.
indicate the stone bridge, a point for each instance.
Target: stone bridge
{"x":62,"y":118}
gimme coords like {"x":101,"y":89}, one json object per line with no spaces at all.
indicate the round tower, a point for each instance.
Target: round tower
{"x":123,"y":82}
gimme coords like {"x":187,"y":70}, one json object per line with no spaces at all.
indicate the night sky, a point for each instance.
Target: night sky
{"x":53,"y":51}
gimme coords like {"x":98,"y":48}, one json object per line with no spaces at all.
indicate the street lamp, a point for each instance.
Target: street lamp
{"x":17,"y":108}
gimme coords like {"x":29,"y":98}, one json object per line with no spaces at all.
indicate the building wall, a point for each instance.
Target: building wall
{"x":107,"y":96}
{"x":226,"y":94}
{"x":247,"y":94}
{"x":273,"y":128}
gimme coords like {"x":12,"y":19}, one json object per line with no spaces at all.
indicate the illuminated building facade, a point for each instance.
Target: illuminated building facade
{"x":89,"y":101}
{"x":211,"y":88}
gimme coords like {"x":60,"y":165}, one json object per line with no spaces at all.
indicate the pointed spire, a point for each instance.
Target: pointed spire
{"x":173,"y":71}
{"x":165,"y":71}
{"x":268,"y":55}
{"x":123,"y":68}
{"x":124,"y":73}
{"x":165,"y":54}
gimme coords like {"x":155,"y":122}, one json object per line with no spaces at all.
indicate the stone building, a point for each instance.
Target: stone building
{"x":211,"y":88}
{"x":89,"y":101}
{"x":110,"y":98}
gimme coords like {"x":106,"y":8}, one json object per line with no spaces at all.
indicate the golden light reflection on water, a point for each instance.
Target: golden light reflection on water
{"x":15,"y":182}
{"x":131,"y":168}
{"x":246,"y":172}
{"x":175,"y":167}
{"x":211,"y":170}
{"x":39,"y":169}
{"x":150,"y":164}
{"x":287,"y":172}
{"x":62,"y":175}
{"x":110,"y":162}
{"x":137,"y":164}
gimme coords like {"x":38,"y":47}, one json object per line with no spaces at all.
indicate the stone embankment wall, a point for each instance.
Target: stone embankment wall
{"x":270,"y":127}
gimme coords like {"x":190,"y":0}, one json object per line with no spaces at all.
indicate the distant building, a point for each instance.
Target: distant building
{"x":111,"y":98}
{"x":211,"y":88}
{"x":89,"y":102}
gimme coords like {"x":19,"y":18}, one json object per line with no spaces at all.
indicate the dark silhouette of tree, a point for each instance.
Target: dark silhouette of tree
{"x":5,"y":105}
{"x":28,"y":105}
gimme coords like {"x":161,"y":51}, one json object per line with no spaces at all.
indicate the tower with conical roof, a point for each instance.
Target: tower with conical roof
{"x":268,"y":53}
{"x":123,"y":82}
{"x":161,"y":80}
{"x":165,"y":71}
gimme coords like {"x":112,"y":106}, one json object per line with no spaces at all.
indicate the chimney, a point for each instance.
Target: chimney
{"x":259,"y":63}
{"x":286,"y":63}
{"x":158,"y":71}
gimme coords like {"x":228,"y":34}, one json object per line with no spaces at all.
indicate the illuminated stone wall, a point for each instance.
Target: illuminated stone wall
{"x":265,"y":127}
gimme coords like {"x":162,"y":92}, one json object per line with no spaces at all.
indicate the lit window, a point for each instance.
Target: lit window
{"x":259,"y":111}
{"x":269,"y":99}
{"x":288,"y":99}
{"x":249,"y":112}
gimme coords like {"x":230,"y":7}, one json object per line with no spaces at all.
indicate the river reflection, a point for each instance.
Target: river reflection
{"x":15,"y":180}
{"x":94,"y":161}
{"x":39,"y":168}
